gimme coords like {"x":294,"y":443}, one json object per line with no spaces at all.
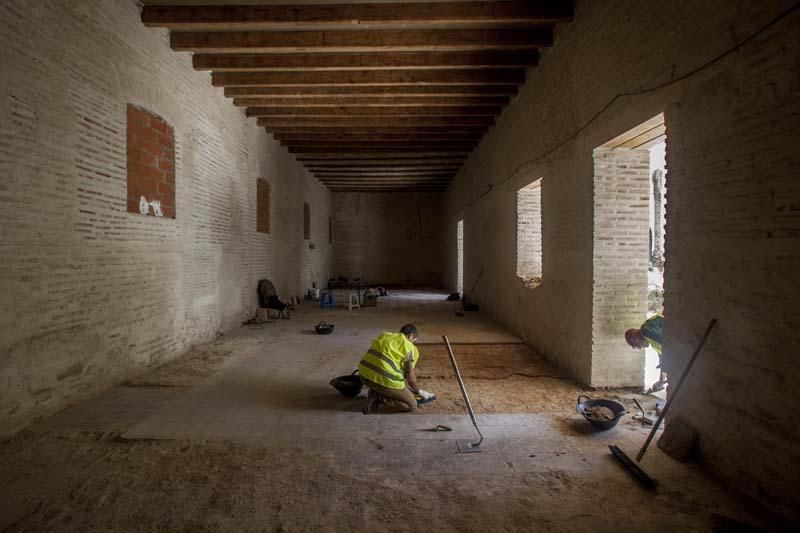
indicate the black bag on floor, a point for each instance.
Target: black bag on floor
{"x":350,"y":385}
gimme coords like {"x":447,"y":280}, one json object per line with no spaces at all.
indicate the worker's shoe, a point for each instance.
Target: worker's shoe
{"x":657,"y":386}
{"x":373,"y":401}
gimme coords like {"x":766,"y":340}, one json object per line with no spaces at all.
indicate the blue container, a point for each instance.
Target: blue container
{"x":326,"y":301}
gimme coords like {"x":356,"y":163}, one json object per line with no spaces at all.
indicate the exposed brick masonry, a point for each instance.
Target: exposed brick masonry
{"x":151,"y":163}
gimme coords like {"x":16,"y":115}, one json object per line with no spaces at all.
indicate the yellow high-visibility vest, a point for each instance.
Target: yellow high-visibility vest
{"x":385,"y":361}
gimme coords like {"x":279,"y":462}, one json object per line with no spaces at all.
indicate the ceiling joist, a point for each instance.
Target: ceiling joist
{"x":489,"y":59}
{"x":369,"y":97}
{"x":361,"y":41}
{"x":349,"y":78}
{"x":267,"y":17}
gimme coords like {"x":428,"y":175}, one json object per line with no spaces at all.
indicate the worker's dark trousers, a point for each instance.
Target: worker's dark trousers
{"x":401,"y":399}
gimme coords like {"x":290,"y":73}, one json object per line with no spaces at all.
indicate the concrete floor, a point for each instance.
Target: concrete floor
{"x":535,"y":471}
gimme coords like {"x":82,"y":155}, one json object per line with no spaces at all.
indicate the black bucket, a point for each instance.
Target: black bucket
{"x":323,"y":328}
{"x":584,"y":402}
{"x":349,"y":386}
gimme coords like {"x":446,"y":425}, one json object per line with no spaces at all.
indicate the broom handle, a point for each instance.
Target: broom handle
{"x":461,"y":384}
{"x":675,"y":391}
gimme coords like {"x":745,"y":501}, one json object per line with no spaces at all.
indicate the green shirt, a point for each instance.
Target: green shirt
{"x":652,"y":330}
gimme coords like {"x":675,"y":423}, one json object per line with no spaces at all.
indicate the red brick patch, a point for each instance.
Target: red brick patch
{"x":151,"y":164}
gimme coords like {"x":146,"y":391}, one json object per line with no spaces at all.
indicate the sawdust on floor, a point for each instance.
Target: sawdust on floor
{"x":101,"y":482}
{"x":502,"y":378}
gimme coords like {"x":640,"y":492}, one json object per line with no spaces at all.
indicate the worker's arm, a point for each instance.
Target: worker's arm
{"x":411,"y":377}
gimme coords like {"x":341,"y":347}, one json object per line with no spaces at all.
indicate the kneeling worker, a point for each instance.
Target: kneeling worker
{"x":388,"y":370}
{"x":649,"y":334}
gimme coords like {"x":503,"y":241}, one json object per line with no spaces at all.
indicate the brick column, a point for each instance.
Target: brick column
{"x":620,"y":257}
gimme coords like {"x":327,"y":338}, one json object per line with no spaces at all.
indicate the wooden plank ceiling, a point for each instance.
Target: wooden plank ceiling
{"x":369,"y":97}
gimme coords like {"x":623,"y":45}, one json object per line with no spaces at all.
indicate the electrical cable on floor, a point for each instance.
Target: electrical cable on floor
{"x":639,"y":92}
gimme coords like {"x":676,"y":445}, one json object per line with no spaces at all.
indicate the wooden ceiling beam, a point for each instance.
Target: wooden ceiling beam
{"x":376,"y":144}
{"x":347,"y":129}
{"x":425,"y":156}
{"x":357,"y":154}
{"x":432,"y":111}
{"x":380,"y":122}
{"x":443,"y":136}
{"x":442,"y":40}
{"x":373,"y":90}
{"x":481,"y":59}
{"x":374,"y":101}
{"x":388,"y":150}
{"x":263,"y":17}
{"x":371,"y":163}
{"x":350,"y":78}
{"x":388,"y":188}
{"x":382,"y":170}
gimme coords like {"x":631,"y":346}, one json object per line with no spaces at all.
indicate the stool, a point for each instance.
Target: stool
{"x":353,"y":302}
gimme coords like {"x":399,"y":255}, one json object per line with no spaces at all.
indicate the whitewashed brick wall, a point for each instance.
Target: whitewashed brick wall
{"x":93,"y":294}
{"x":733,"y":225}
{"x":389,"y":238}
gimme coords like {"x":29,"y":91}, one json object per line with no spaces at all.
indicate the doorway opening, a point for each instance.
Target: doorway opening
{"x":655,"y":269}
{"x":628,"y":252}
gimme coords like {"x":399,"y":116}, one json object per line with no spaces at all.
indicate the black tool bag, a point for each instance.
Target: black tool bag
{"x":349,"y":385}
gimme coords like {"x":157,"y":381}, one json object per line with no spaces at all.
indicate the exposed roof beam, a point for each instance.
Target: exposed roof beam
{"x":390,"y":188}
{"x":482,"y":59}
{"x":374,"y":101}
{"x":349,"y":78}
{"x":349,"y":129}
{"x":355,"y":15}
{"x":433,"y":111}
{"x":343,"y":156}
{"x":396,"y":170}
{"x":444,"y":136}
{"x":375,"y":90}
{"x":361,"y":40}
{"x":384,"y":122}
{"x":372,"y":150}
{"x":358,"y":154}
{"x":387,"y":146}
{"x":311,"y":163}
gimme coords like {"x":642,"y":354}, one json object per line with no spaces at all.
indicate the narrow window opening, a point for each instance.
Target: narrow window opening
{"x":529,"y":234}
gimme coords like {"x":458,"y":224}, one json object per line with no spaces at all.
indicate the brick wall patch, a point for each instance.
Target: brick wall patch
{"x":151,"y":164}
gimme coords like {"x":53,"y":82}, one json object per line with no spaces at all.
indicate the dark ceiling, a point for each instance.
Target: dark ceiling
{"x":368,"y":97}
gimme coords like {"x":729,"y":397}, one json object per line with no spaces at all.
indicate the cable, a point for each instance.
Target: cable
{"x":639,"y":92}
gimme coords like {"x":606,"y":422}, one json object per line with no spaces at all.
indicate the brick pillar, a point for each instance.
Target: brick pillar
{"x":658,"y":224}
{"x":621,"y":253}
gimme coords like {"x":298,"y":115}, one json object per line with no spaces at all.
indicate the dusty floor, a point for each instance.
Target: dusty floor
{"x":244,"y":434}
